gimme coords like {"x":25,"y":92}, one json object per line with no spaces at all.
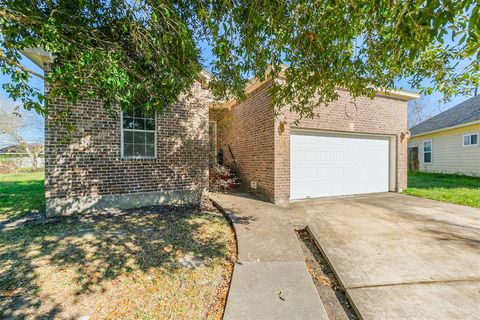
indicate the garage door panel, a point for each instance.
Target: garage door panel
{"x":330,"y":165}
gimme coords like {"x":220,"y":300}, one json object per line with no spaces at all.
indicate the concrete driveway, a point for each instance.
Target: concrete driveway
{"x":398,"y":257}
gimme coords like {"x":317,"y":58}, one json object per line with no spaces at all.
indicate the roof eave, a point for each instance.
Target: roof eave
{"x":466,"y":124}
{"x":399,"y":94}
{"x":39,"y":56}
{"x":255,"y":83}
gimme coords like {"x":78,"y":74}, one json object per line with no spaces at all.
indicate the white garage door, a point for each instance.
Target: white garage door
{"x":334,"y":164}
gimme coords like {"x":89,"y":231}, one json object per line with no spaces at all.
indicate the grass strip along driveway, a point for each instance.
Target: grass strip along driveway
{"x":152,"y":263}
{"x":458,"y":189}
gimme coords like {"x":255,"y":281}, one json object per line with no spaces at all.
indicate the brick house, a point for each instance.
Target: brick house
{"x":128,"y":159}
{"x":351,"y":147}
{"x":135,"y":159}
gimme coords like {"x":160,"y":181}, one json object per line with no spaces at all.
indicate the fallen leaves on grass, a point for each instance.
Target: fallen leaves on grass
{"x":152,"y":263}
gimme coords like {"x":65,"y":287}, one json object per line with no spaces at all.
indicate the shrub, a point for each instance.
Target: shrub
{"x":221,"y":179}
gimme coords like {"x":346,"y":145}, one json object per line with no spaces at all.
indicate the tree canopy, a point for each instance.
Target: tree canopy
{"x":149,"y":51}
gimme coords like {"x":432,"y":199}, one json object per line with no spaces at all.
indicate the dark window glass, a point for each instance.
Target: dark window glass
{"x":427,"y":157}
{"x":150,"y":150}
{"x":150,"y":124}
{"x":139,"y":124}
{"x":474,"y":139}
{"x":150,"y":138}
{"x":128,"y":123}
{"x":427,"y":146}
{"x":128,"y":136}
{"x":139,"y":150}
{"x":139,"y":137}
{"x":128,"y":149}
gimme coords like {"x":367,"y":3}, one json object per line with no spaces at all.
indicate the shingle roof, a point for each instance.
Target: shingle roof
{"x":465,"y":112}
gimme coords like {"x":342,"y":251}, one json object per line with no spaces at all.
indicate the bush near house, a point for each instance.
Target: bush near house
{"x":169,"y":262}
{"x":453,"y":188}
{"x":221,"y":179}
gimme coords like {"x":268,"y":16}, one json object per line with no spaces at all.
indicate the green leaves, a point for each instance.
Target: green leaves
{"x":348,"y":44}
{"x":146,"y":52}
{"x":122,"y":51}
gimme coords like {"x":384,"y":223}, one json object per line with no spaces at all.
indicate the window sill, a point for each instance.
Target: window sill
{"x":138,"y":158}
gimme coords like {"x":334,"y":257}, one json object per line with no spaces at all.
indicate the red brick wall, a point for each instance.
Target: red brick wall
{"x":382,"y":115}
{"x":90,"y":163}
{"x":261,"y":145}
{"x":248,"y":128}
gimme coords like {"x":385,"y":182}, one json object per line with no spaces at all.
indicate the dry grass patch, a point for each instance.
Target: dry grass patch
{"x":151,"y":263}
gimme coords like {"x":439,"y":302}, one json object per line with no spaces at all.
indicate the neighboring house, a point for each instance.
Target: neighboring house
{"x":448,"y":142}
{"x":135,"y":160}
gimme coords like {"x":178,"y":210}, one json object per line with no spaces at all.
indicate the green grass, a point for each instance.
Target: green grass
{"x":21,"y":194}
{"x":453,"y":188}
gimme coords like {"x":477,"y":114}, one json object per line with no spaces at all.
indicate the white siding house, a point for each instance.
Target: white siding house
{"x":450,"y":141}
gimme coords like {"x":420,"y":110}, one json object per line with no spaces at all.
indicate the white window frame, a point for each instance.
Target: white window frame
{"x":122,"y":130}
{"x":470,"y":135}
{"x":431,"y":151}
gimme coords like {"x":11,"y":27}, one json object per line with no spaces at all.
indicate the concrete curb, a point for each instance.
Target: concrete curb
{"x":232,"y":225}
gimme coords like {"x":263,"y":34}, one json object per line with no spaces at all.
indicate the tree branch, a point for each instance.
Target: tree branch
{"x":20,"y":66}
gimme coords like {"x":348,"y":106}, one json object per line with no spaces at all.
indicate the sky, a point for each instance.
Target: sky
{"x":33,"y":131}
{"x":33,"y":123}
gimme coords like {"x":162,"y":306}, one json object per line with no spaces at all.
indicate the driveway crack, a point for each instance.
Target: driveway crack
{"x":414,"y":282}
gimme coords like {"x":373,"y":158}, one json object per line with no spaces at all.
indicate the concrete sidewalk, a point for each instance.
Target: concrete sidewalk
{"x":270,"y":279}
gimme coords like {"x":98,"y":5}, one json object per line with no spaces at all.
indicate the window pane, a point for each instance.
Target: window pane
{"x":427,"y":146}
{"x":474,"y":139}
{"x":127,"y":136}
{"x":128,"y":123}
{"x":427,"y":157}
{"x":139,"y":124}
{"x":466,"y":140}
{"x":139,"y":150}
{"x":150,"y":124}
{"x":128,"y":150}
{"x":139,"y":137}
{"x":150,"y":137}
{"x":150,"y":152}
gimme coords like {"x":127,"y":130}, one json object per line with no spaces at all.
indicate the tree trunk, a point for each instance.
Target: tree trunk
{"x":32,"y":155}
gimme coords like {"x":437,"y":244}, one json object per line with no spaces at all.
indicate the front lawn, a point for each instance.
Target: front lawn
{"x":459,"y":189}
{"x":151,"y":263}
{"x":21,"y":194}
